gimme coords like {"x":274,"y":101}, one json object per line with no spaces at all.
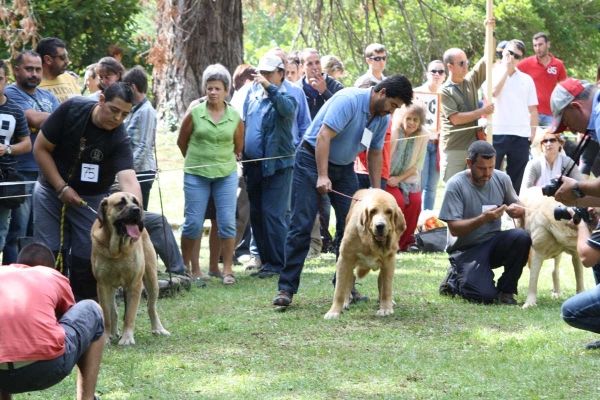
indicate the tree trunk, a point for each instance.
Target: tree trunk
{"x":192,"y":34}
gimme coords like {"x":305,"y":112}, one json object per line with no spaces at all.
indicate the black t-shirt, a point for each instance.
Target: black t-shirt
{"x":106,"y":152}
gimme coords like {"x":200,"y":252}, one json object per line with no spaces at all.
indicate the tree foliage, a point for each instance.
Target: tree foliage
{"x":418,"y":31}
{"x":87,"y":26}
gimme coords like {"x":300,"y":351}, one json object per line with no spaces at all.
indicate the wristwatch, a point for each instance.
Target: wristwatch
{"x":8,"y":149}
{"x":577,"y":192}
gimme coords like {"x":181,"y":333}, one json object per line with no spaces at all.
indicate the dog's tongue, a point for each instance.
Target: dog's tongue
{"x":133,"y":230}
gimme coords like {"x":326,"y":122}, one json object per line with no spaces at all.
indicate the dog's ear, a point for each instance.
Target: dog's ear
{"x":399,"y":221}
{"x":365,"y":219}
{"x":102,"y":211}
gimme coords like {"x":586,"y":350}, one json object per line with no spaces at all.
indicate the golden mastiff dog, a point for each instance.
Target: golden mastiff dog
{"x":122,"y":255}
{"x":549,"y":239}
{"x":373,"y":227}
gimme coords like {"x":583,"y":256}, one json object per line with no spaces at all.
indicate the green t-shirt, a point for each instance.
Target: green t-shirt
{"x":212,"y":143}
{"x":452,"y":103}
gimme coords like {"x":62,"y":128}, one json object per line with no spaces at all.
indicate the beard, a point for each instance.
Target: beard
{"x":29,"y":83}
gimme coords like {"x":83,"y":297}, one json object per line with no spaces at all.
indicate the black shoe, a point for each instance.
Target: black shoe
{"x":236,"y":261}
{"x":593,"y":346}
{"x":445,"y":288}
{"x":356,"y":296}
{"x":283,"y":299}
{"x":267,"y":273}
{"x":507,"y":298}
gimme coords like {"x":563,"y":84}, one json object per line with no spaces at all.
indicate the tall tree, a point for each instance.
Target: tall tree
{"x":192,"y":34}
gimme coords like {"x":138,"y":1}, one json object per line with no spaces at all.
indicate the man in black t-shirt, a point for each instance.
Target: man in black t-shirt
{"x":80,"y":149}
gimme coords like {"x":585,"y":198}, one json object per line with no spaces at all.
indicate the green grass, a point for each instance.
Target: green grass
{"x":229,"y":343}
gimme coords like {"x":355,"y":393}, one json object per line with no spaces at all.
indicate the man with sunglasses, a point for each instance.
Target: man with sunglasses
{"x":516,"y":103}
{"x":460,"y":109}
{"x":376,"y":58}
{"x":547,"y":71}
{"x":55,"y":60}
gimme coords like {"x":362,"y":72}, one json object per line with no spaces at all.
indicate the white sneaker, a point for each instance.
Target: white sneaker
{"x":254,"y":263}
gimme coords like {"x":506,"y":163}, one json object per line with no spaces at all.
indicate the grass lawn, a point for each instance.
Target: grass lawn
{"x":229,"y":343}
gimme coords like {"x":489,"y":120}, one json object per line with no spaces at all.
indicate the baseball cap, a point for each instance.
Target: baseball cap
{"x":500,"y":47}
{"x":269,"y":63}
{"x":562,"y":95}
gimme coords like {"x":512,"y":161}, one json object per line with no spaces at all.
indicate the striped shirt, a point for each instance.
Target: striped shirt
{"x":141,"y":128}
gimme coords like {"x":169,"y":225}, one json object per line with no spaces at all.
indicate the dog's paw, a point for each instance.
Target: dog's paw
{"x":106,"y":338}
{"x":332,"y":315}
{"x":347,"y":305}
{"x":384,"y":312}
{"x":556,"y":295}
{"x":529,"y":304}
{"x":126,"y":340}
{"x":160,"y":331}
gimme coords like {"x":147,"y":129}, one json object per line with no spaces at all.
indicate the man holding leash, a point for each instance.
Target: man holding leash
{"x":80,"y":149}
{"x":351,"y":121}
{"x":474,"y":202}
{"x":44,"y":333}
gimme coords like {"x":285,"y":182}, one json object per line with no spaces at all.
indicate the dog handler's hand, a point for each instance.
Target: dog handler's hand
{"x":323,"y":185}
{"x":564,"y":194}
{"x":493,"y":214}
{"x":71,"y":198}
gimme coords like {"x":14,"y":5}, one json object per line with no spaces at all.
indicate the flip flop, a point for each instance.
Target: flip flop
{"x":215,"y":275}
{"x":228,"y":279}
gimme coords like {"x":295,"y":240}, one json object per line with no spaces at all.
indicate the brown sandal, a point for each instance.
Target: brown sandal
{"x":228,"y":279}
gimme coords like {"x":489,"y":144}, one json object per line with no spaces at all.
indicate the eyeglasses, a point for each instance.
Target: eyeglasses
{"x":438,"y":71}
{"x":515,"y":55}
{"x":463,"y":63}
{"x":551,"y":140}
{"x":378,"y":58}
{"x":416,"y":120}
{"x":63,"y":57}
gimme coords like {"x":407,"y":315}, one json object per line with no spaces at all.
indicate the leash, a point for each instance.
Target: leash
{"x":162,"y":220}
{"x":345,"y":195}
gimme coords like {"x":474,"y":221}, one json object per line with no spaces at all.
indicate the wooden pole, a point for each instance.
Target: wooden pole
{"x":489,"y":62}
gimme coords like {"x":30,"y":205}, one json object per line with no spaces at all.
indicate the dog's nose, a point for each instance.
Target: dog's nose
{"x":380,"y":227}
{"x":135,"y":210}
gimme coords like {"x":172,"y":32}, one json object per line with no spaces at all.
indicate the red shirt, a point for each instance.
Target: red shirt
{"x":545,"y":79}
{"x":360,"y":164}
{"x":32,"y":299}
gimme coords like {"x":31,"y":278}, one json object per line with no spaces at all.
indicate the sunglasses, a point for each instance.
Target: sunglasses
{"x":378,"y":58}
{"x":63,"y":57}
{"x":515,"y":55}
{"x":463,"y":63}
{"x":438,"y":71}
{"x":551,"y":140}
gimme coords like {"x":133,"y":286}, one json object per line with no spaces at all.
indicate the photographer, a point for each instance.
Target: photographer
{"x":582,"y":311}
{"x":575,"y":106}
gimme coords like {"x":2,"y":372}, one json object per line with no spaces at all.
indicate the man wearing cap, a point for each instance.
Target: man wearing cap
{"x":546,"y":71}
{"x":351,"y":121}
{"x":269,"y":115}
{"x":516,"y":110}
{"x":575,"y":105}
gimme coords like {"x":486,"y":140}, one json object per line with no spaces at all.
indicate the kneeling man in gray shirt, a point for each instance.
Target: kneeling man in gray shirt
{"x":474,"y":202}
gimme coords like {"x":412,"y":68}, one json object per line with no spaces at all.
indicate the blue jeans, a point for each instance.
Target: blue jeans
{"x":146,"y":186}
{"x":516,"y":149}
{"x":545,"y":120}
{"x":582,"y":311}
{"x":304,"y":210}
{"x":19,"y":222}
{"x":430,"y":176}
{"x":269,"y":199}
{"x":197,"y":190}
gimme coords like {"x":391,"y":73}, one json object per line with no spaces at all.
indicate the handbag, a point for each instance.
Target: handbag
{"x":11,"y":175}
{"x":432,"y":241}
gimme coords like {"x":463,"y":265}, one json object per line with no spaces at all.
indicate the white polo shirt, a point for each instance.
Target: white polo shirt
{"x":511,"y":114}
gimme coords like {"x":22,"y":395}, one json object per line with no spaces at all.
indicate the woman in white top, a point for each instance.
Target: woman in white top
{"x":550,"y":163}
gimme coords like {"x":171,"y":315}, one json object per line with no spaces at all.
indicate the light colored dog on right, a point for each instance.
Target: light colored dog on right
{"x":550,"y":238}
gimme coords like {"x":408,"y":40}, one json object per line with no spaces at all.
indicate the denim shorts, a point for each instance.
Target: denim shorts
{"x":83,"y":324}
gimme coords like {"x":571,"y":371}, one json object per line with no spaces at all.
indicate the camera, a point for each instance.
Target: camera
{"x":551,"y":188}
{"x":581,"y":213}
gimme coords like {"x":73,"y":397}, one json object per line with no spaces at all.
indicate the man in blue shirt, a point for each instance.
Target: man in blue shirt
{"x":269,"y":114}
{"x":37,"y":104}
{"x":350,"y":122}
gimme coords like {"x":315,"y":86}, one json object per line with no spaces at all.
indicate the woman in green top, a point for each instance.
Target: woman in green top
{"x":210,"y":137}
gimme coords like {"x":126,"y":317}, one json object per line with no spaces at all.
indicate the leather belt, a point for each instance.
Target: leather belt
{"x":9,"y":366}
{"x":308,"y":146}
{"x":434,"y":141}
